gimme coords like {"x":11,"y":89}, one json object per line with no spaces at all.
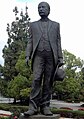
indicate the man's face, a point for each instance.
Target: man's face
{"x":43,"y":9}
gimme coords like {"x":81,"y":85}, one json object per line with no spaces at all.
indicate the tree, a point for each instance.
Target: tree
{"x":72,"y":63}
{"x":25,"y":71}
{"x":71,"y":86}
{"x":22,"y":67}
{"x":3,"y":87}
{"x":17,"y":40}
{"x":1,"y":70}
{"x":16,"y":72}
{"x":17,"y":87}
{"x":82,"y":85}
{"x":3,"y":83}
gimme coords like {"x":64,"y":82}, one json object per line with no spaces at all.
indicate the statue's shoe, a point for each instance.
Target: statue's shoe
{"x":30,"y":113}
{"x":46,"y":111}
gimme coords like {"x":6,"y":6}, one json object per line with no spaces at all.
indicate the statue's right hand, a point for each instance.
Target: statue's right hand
{"x":27,"y":60}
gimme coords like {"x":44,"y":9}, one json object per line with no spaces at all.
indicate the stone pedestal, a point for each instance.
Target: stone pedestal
{"x":39,"y":116}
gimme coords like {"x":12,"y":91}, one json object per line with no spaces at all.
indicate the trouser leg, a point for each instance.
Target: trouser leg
{"x":47,"y":87}
{"x":38,"y":68}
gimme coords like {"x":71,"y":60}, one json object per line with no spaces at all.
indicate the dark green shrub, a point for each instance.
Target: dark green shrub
{"x":5,"y":118}
{"x":13,"y":108}
{"x":68,"y":113}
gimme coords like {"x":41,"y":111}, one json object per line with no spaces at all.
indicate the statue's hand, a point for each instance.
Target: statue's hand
{"x":60,"y":62}
{"x":27,"y":60}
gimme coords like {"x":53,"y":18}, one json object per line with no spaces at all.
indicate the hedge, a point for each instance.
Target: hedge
{"x":12,"y":107}
{"x":68,"y":113}
{"x":17,"y":109}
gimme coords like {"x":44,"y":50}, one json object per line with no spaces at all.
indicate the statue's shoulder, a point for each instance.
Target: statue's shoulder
{"x":34,"y":22}
{"x":54,"y":22}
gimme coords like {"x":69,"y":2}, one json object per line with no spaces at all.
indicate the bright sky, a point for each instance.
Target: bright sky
{"x":69,"y":13}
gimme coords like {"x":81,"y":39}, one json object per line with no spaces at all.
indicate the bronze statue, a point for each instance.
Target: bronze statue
{"x":44,"y":48}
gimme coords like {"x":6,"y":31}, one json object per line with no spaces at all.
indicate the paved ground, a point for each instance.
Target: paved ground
{"x":58,"y":104}
{"x":54,"y":103}
{"x":6,"y":100}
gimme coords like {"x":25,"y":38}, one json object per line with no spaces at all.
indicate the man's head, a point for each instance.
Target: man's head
{"x":43,"y":9}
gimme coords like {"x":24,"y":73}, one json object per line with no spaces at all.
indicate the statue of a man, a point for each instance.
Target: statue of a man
{"x":44,"y":48}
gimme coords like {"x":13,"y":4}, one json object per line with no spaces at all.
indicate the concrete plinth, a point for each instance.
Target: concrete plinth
{"x":39,"y":116}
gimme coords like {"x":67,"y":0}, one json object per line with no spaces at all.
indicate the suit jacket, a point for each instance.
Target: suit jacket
{"x":35,"y":33}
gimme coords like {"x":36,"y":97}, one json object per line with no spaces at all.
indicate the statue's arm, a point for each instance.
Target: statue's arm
{"x":59,"y":48}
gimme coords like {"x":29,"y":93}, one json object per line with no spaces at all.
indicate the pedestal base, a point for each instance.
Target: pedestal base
{"x":39,"y":116}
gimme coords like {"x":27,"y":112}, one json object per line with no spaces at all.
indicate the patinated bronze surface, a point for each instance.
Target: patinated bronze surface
{"x":44,"y":48}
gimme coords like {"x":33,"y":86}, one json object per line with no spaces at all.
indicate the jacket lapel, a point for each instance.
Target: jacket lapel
{"x":49,"y":25}
{"x":39,"y":25}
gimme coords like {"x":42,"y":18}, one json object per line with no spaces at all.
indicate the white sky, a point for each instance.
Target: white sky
{"x":69,"y":13}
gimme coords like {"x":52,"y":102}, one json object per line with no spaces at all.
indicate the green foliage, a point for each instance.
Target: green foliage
{"x":71,"y":87}
{"x":21,"y":66}
{"x":71,"y":61}
{"x":17,"y":41}
{"x":82,"y":91}
{"x":68,"y":89}
{"x":3,"y":87}
{"x":1,"y":69}
{"x":15,"y":70}
{"x":4,"y":117}
{"x":4,"y":107}
{"x":71,"y":64}
{"x":25,"y":92}
{"x":68,"y":113}
{"x":12,"y":107}
{"x":25,"y":71}
{"x":17,"y":85}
